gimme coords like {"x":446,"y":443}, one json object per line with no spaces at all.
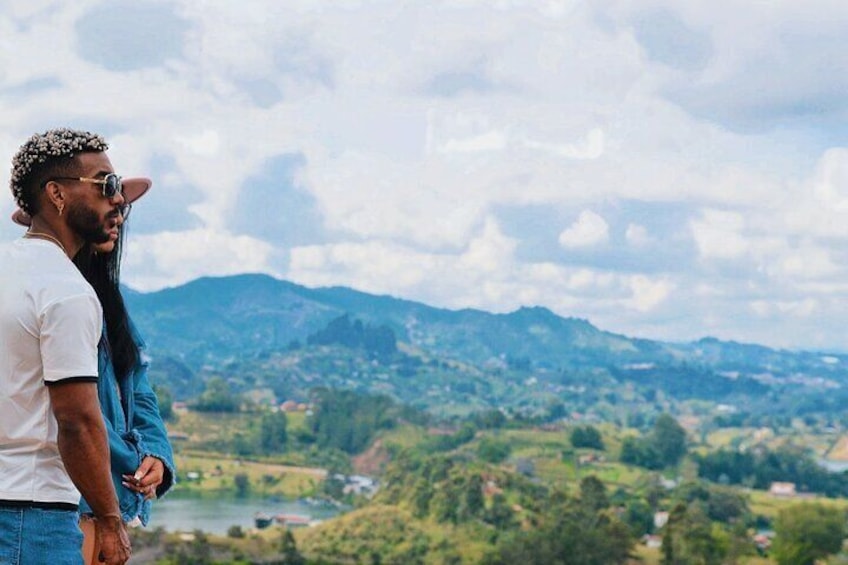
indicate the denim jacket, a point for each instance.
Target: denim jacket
{"x":135,"y":429}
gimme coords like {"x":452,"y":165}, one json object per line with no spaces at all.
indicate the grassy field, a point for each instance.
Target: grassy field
{"x":200,"y":427}
{"x":403,"y":436}
{"x":646,"y":555}
{"x":203,"y":469}
{"x":766,"y":504}
{"x":733,"y":438}
{"x":216,"y":473}
{"x":839,"y":450}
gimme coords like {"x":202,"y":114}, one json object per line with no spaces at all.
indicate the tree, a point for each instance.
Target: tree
{"x":242,"y":484}
{"x":288,"y":547}
{"x":570,"y":534}
{"x":587,"y":436}
{"x":593,"y":493}
{"x":272,"y":432}
{"x":218,"y":397}
{"x":379,"y":342}
{"x":333,"y":485}
{"x":668,"y":438}
{"x":197,"y":552}
{"x":165,"y":400}
{"x":493,"y":450}
{"x":807,"y":532}
{"x":422,"y":492}
{"x":726,"y":505}
{"x":243,"y":444}
{"x":489,"y":419}
{"x":347,"y":420}
{"x":631,"y":451}
{"x":689,"y":537}
{"x":639,"y":516}
{"x":443,"y":504}
{"x":665,"y":446}
{"x":500,"y":514}
{"x":235,"y":531}
{"x":639,"y":451}
{"x":472,"y":503}
{"x":556,"y":411}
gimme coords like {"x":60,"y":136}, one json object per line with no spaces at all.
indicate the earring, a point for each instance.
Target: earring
{"x":60,"y":206}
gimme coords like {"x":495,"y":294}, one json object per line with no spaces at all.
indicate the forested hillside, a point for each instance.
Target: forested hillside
{"x":258,"y":333}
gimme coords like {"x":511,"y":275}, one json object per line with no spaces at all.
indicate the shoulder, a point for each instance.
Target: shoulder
{"x":62,"y":286}
{"x":67,"y":285}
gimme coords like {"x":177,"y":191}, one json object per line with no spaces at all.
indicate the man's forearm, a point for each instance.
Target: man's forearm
{"x":85,"y":453}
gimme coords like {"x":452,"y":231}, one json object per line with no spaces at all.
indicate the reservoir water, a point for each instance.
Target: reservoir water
{"x":832,"y":465}
{"x":216,"y":515}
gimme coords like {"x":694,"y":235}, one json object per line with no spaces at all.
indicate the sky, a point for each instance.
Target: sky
{"x":665,"y":169}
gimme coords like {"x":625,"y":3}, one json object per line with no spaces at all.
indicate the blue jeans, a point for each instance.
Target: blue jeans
{"x":35,"y":536}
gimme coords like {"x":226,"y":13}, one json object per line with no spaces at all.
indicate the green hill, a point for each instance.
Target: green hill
{"x":255,"y":330}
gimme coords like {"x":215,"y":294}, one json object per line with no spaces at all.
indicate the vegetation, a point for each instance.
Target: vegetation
{"x":378,"y":342}
{"x":571,"y":532}
{"x":664,"y":447}
{"x":760,"y":468}
{"x":348,"y":421}
{"x":218,"y":397}
{"x":522,"y":437}
{"x":808,"y":532}
{"x":467,"y":496}
{"x":587,"y":436}
{"x":257,"y":333}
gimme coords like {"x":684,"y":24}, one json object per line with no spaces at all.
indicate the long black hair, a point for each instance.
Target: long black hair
{"x":103,"y":273}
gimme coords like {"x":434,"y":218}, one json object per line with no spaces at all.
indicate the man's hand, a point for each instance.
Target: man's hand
{"x":146,"y":478}
{"x":113,"y":540}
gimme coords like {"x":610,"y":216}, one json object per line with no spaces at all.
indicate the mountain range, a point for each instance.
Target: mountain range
{"x":212,"y":322}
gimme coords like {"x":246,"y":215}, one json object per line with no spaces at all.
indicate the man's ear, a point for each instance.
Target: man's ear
{"x":55,"y":194}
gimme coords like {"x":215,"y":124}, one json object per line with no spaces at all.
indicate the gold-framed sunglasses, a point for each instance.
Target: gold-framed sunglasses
{"x":111,"y":183}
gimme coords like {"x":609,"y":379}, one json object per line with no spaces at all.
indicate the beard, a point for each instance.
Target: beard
{"x":88,"y":224}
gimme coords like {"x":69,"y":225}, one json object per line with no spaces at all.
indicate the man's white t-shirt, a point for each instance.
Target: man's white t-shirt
{"x":50,"y":324}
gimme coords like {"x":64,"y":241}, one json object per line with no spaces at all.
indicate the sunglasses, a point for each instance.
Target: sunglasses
{"x":111,"y":183}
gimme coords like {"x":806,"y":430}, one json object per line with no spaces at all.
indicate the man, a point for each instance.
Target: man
{"x":53,"y":443}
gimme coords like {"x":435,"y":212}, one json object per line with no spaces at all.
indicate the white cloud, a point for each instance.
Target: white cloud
{"x":637,"y":235}
{"x":485,"y":275}
{"x":818,"y":206}
{"x":491,"y":252}
{"x":171,"y":258}
{"x":778,"y":309}
{"x":206,"y":143}
{"x":589,"y":229}
{"x":421,"y":127}
{"x":808,"y":263}
{"x":489,"y":141}
{"x":718,"y":234}
{"x":590,"y":148}
{"x":647,"y":293}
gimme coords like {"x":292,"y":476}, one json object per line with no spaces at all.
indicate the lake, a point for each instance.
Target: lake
{"x":832,"y":465}
{"x":216,"y":515}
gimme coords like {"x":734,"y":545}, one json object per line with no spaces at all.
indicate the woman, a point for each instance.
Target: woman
{"x":141,"y":455}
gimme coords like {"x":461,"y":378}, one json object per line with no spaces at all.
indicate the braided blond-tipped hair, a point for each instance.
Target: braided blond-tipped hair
{"x":47,"y":152}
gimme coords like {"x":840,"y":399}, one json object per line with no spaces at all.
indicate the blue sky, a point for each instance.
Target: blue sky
{"x":669,"y":170}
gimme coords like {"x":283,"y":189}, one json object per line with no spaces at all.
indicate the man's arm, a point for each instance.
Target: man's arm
{"x":85,"y":454}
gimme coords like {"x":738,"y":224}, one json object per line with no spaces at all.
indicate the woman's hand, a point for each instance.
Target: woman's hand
{"x":146,"y":478}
